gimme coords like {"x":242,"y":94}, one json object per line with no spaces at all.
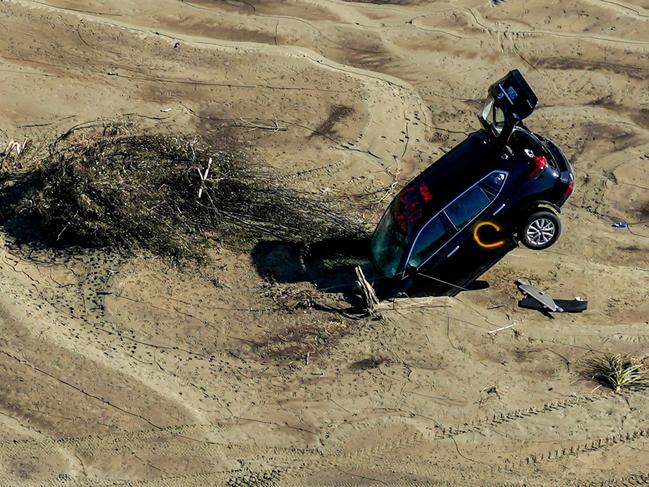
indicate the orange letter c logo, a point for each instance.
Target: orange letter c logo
{"x":487,"y":245}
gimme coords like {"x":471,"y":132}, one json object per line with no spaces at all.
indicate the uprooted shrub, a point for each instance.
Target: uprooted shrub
{"x":112,"y":187}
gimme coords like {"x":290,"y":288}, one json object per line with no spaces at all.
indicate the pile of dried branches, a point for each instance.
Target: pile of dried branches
{"x":112,"y":186}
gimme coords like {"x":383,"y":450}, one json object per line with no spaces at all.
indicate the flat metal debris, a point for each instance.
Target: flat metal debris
{"x":539,"y":300}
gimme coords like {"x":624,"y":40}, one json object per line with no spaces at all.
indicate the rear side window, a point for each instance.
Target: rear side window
{"x":434,"y":234}
{"x":493,"y":183}
{"x":466,"y":207}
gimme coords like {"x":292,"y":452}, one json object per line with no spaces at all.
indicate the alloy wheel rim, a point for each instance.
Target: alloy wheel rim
{"x":540,"y":232}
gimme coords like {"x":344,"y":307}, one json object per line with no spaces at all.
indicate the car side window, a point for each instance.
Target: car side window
{"x":493,"y":183}
{"x":434,"y":234}
{"x":466,"y":207}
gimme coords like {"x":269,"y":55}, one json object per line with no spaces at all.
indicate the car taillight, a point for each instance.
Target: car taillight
{"x":539,"y":164}
{"x":569,"y":189}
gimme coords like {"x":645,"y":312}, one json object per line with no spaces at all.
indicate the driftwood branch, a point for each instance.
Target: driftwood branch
{"x":204,"y":176}
{"x":275,"y":127}
{"x":14,"y":146}
{"x":369,"y":296}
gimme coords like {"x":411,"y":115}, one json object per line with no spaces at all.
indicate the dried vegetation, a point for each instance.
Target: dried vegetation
{"x":617,"y":372}
{"x":301,"y":341}
{"x":113,"y":186}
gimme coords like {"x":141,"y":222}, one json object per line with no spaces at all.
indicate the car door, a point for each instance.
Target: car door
{"x":481,"y":240}
{"x":432,"y":237}
{"x":452,"y":235}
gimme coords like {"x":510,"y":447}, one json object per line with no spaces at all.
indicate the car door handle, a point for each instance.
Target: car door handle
{"x":453,"y":251}
{"x":499,"y":209}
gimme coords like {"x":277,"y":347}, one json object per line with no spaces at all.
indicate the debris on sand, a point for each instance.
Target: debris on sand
{"x":539,"y":300}
{"x":617,"y":372}
{"x":110,"y":185}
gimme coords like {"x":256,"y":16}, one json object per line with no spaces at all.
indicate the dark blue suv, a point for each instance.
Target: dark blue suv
{"x":503,"y":185}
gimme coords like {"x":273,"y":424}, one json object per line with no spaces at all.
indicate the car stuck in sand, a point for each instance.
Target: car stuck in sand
{"x":504,"y":184}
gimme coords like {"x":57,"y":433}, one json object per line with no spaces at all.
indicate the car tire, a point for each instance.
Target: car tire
{"x":540,"y":230}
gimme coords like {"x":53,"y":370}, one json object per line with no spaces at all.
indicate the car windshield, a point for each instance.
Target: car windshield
{"x":388,"y":245}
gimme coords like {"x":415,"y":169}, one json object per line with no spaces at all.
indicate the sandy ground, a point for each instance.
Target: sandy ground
{"x":127,"y":373}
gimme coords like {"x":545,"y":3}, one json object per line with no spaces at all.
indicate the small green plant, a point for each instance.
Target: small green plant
{"x":617,"y":372}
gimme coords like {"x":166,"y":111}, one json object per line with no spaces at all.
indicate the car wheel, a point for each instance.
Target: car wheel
{"x":541,"y":230}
